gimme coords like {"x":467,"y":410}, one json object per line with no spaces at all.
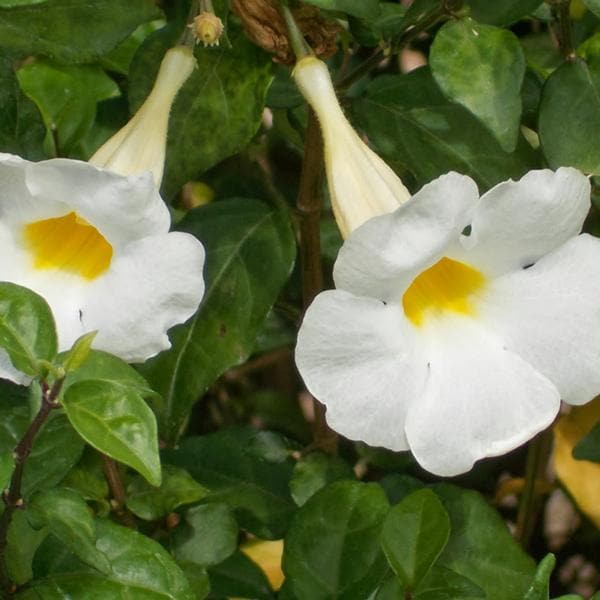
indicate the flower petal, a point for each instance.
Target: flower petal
{"x":98,"y":195}
{"x":480,"y":400}
{"x":361,"y":359}
{"x":152,"y":285}
{"x":549,"y":314}
{"x":381,"y":258}
{"x":517,"y":222}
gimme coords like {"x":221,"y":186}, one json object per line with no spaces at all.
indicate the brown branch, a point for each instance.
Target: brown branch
{"x":309,"y":206}
{"x":11,"y":497}
{"x":117,"y":490}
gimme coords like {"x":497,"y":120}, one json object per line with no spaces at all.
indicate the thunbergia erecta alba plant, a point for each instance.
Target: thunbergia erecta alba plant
{"x":360,"y":183}
{"x":93,"y":238}
{"x":458,"y":323}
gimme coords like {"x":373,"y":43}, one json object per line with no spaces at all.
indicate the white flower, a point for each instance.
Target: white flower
{"x":459,"y":323}
{"x":140,"y":145}
{"x":361,"y":185}
{"x":96,"y":245}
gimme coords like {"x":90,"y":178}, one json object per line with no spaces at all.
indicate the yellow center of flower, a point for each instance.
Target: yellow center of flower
{"x":447,"y":286}
{"x":70,"y":244}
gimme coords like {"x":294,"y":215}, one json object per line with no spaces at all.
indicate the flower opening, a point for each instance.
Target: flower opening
{"x":447,"y":286}
{"x":68,"y":243}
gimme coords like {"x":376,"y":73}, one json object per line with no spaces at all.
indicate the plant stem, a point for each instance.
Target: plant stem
{"x":12,"y":496}
{"x":295,"y":36}
{"x":562,"y":28}
{"x":538,"y":454}
{"x":117,"y":490}
{"x":309,"y":205}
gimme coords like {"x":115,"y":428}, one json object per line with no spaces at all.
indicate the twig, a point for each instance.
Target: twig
{"x":12,"y":496}
{"x":538,"y":455}
{"x":309,"y":210}
{"x":117,"y":490}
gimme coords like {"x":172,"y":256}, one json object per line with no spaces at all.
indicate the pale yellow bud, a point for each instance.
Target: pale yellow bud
{"x":207,"y":28}
{"x":140,"y":145}
{"x":361,"y":184}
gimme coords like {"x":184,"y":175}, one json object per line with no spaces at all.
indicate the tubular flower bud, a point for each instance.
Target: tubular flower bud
{"x":207,"y":28}
{"x":140,"y":145}
{"x":360,"y":183}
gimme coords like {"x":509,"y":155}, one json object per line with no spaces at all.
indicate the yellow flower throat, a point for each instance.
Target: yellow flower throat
{"x":68,"y":243}
{"x":447,"y":286}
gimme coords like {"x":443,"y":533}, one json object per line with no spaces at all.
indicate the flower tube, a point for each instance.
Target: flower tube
{"x":94,"y":241}
{"x":140,"y":145}
{"x":361,"y":184}
{"x":459,"y":323}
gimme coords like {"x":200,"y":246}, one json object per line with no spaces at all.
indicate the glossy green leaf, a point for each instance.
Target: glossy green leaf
{"x":239,"y":577}
{"x":314,"y":472}
{"x":332,"y":546}
{"x":540,"y":588}
{"x":80,"y":352}
{"x":481,"y":548}
{"x":22,"y":544}
{"x":7,"y":464}
{"x":152,"y":503}
{"x":117,"y":421}
{"x":21,"y":127}
{"x":363,"y":9}
{"x":588,"y":448}
{"x":67,"y":516}
{"x":141,"y":569}
{"x":71,"y":30}
{"x":250,"y":251}
{"x":569,"y":121}
{"x":66,"y":96}
{"x":27,"y":329}
{"x":217,"y":111}
{"x":502,"y":13}
{"x":414,"y":534}
{"x":482,"y":67}
{"x":444,"y":584}
{"x":207,"y":537}
{"x":411,"y":123}
{"x":256,"y":490}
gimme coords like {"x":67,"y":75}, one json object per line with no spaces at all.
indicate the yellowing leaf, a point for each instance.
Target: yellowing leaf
{"x":580,"y":477}
{"x":267,"y":555}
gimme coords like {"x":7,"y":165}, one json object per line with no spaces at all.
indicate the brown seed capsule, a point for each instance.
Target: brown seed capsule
{"x":207,"y":28}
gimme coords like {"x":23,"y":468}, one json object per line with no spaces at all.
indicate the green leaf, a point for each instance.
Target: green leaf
{"x":411,"y":123}
{"x":250,"y":252}
{"x":502,"y":13}
{"x":540,"y":588}
{"x":444,"y":584}
{"x":414,"y":534}
{"x":314,"y":472}
{"x":7,"y":464}
{"x":27,"y":330}
{"x":332,"y":546}
{"x":208,"y":536}
{"x":569,"y":121}
{"x":594,"y":6}
{"x":239,"y":577}
{"x":21,"y":127}
{"x":482,"y":68}
{"x":22,"y":544}
{"x":117,"y":421}
{"x":363,"y":9}
{"x":66,"y":96}
{"x":255,"y":489}
{"x":218,"y":110}
{"x":141,"y":569}
{"x":588,"y":448}
{"x":481,"y":548}
{"x":71,"y":30}
{"x":67,"y":516}
{"x":152,"y":503}
{"x":80,"y":352}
